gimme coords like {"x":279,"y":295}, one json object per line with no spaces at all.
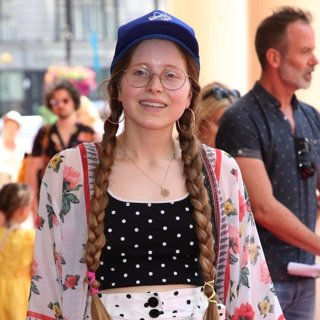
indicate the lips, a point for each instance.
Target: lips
{"x":151,"y":104}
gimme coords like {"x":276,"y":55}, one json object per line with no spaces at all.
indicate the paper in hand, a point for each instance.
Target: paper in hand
{"x":304,"y":270}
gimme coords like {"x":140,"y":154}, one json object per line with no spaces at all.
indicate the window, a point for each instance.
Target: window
{"x":88,"y":17}
{"x":7,"y":22}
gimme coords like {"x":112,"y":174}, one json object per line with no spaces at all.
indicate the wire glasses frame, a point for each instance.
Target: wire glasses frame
{"x":306,"y":167}
{"x":170,"y":78}
{"x":220,"y":93}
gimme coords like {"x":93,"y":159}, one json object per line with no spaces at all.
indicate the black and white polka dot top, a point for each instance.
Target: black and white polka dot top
{"x":149,"y":244}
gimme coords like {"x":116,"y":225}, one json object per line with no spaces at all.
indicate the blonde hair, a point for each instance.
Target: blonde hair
{"x":87,"y":113}
{"x":194,"y":182}
{"x":208,"y":108}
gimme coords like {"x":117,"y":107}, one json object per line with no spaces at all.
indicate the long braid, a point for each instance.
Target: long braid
{"x":99,"y":201}
{"x":198,"y":196}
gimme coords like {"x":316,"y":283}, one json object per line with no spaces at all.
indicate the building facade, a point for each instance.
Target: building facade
{"x":36,"y":34}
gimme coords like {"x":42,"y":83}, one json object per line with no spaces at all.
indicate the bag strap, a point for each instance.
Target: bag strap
{"x":211,"y":169}
{"x":90,"y":157}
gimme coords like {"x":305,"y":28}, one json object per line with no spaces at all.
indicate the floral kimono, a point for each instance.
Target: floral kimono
{"x":58,"y":289}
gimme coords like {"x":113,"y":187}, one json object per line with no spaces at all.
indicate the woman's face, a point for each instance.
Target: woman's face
{"x":153,"y":106}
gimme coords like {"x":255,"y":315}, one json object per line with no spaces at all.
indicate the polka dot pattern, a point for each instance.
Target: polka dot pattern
{"x":149,"y":244}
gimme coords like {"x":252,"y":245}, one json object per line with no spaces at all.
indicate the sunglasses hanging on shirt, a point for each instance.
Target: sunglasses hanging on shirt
{"x":306,"y":167}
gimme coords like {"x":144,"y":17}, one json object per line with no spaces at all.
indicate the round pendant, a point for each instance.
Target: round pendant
{"x":165,"y":192}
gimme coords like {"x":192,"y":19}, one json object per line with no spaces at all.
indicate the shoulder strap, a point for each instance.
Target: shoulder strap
{"x":90,"y":154}
{"x":219,"y":220}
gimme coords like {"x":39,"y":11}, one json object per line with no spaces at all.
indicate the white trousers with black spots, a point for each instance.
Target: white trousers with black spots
{"x":181,"y":304}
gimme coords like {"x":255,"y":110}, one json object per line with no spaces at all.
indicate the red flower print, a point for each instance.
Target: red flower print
{"x":39,"y":222}
{"x":71,"y":177}
{"x":71,"y":281}
{"x":245,"y":312}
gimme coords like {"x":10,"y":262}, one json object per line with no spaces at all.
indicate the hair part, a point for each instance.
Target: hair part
{"x":62,"y":84}
{"x":272,"y":31}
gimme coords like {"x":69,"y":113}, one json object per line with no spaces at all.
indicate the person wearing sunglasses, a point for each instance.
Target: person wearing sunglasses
{"x":215,"y":99}
{"x":275,"y":139}
{"x":63,"y":99}
{"x":141,"y":226}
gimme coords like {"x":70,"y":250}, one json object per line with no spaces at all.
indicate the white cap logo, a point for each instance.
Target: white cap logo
{"x":160,"y":16}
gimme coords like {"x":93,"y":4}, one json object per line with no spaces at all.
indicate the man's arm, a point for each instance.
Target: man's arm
{"x":270,"y":213}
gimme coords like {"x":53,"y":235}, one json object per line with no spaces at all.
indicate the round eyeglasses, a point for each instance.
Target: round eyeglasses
{"x":171,"y":78}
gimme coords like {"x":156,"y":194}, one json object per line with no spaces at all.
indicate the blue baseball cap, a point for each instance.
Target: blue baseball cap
{"x":156,"y":25}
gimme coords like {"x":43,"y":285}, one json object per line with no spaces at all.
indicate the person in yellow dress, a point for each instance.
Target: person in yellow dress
{"x":16,"y":251}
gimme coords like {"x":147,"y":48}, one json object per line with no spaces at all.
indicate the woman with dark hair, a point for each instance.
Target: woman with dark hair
{"x":143,"y":226}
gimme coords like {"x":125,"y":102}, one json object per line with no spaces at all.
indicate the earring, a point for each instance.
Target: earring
{"x":193,"y":122}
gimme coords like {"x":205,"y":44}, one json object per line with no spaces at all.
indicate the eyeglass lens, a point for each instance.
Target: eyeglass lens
{"x":170,"y":78}
{"x":303,"y":149}
{"x":55,"y":102}
{"x":220,"y":93}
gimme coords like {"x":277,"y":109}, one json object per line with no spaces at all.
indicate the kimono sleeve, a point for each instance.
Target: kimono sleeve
{"x":250,"y":293}
{"x":57,"y":286}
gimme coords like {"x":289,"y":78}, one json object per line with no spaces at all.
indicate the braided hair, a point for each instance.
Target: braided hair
{"x":194,"y":183}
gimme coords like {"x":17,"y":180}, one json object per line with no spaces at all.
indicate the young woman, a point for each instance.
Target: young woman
{"x":16,"y":251}
{"x":145,"y":226}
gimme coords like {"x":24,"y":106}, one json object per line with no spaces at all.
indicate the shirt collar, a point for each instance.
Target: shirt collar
{"x":262,"y":94}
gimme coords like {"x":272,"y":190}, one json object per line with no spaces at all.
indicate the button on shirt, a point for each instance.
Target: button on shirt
{"x":255,"y":127}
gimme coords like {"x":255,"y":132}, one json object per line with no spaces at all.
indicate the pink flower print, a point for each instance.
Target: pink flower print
{"x":55,"y":220}
{"x":34,"y":268}
{"x":244,"y":312}
{"x":264,"y":273}
{"x":71,"y":177}
{"x":234,"y":238}
{"x":59,"y":262}
{"x":245,"y":256}
{"x":242,"y":207}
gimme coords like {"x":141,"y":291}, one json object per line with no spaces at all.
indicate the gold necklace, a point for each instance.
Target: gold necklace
{"x":163,"y":191}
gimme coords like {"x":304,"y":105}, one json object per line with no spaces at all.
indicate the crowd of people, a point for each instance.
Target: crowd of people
{"x":193,"y":210}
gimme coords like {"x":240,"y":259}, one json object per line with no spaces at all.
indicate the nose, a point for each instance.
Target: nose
{"x":155,"y":83}
{"x":314,"y":60}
